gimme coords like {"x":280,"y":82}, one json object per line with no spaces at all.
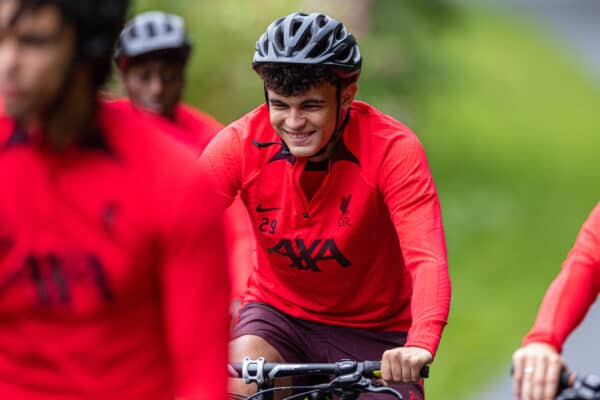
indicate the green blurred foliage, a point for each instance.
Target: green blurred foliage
{"x":399,"y":70}
{"x":509,"y":123}
{"x":511,"y":134}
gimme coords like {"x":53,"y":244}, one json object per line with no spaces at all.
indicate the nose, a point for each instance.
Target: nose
{"x":8,"y":59}
{"x":156,"y":86}
{"x":295,"y":120}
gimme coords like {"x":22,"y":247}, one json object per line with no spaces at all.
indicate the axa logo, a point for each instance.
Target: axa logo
{"x":344,"y":219}
{"x":307,"y":257}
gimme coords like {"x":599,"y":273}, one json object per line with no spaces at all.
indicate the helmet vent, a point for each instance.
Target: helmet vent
{"x":319,"y":49}
{"x":133,"y":32}
{"x":321,"y":21}
{"x":151,"y":30}
{"x":344,"y":53}
{"x":279,"y":40}
{"x":304,"y":39}
{"x":295,"y":26}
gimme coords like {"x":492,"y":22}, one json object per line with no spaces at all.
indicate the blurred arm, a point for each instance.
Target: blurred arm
{"x":573,"y":291}
{"x":196,"y":293}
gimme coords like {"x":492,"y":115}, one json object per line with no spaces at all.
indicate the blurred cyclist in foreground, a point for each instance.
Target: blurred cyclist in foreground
{"x":111,"y":242}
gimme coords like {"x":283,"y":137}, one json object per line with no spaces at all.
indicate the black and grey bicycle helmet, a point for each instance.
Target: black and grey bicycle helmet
{"x":153,"y":32}
{"x":315,"y":38}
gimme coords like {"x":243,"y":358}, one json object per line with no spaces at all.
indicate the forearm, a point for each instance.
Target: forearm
{"x":564,"y":306}
{"x":430,"y":305}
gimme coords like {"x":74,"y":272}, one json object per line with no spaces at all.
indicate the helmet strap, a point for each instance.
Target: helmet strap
{"x":266,"y":96}
{"x":337,"y":130}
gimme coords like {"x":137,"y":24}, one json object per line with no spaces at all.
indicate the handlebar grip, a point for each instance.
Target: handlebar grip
{"x":565,"y":380}
{"x":374,"y":368}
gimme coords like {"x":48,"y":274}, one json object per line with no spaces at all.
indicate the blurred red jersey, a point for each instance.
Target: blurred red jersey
{"x":112,"y":277}
{"x":367,"y":250}
{"x":573,"y":291}
{"x":195,"y":130}
{"x":191,"y":127}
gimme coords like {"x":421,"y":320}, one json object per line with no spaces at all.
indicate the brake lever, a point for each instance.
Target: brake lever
{"x":383,"y":389}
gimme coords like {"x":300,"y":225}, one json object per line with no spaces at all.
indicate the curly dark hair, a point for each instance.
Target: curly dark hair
{"x":295,"y":79}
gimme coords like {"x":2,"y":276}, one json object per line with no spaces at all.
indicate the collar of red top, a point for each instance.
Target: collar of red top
{"x":92,"y":139}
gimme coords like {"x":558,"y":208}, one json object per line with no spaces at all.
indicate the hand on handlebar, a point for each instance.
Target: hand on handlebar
{"x":404,"y":364}
{"x":536,"y":372}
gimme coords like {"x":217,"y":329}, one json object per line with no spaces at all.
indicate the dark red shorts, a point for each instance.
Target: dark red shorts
{"x":301,"y":341}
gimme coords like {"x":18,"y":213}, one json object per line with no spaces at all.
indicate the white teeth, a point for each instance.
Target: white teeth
{"x":299,"y":135}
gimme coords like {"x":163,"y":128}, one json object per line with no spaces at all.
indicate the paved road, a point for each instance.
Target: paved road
{"x":575,"y":24}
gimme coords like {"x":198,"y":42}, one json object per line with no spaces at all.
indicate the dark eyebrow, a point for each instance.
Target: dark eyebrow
{"x":307,"y":102}
{"x":277,"y":102}
{"x":313,"y":102}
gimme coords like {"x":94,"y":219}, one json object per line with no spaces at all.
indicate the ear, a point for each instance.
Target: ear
{"x":348,"y":94}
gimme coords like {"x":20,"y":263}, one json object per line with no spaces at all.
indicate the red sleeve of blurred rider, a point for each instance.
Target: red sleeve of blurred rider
{"x":573,"y":291}
{"x":241,"y":246}
{"x":223,"y":158}
{"x":410,"y":194}
{"x":195,"y":288}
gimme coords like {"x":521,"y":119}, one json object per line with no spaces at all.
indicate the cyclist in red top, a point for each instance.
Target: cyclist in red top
{"x":152,"y":52}
{"x":538,"y":363}
{"x":111,"y":244}
{"x":351,"y":252}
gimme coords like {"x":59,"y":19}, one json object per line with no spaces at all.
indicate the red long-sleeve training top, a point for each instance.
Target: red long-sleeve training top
{"x":367,"y":250}
{"x":113,"y":282}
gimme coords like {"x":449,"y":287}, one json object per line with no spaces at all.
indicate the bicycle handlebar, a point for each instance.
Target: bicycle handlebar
{"x":566,"y":380}
{"x":258,"y":370}
{"x":575,"y":387}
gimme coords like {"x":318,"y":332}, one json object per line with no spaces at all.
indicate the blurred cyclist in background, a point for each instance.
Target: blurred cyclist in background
{"x":152,"y":52}
{"x":538,"y":363}
{"x":111,"y":244}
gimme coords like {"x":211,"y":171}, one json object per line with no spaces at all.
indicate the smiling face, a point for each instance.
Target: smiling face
{"x":306,"y":122}
{"x":35,"y":53}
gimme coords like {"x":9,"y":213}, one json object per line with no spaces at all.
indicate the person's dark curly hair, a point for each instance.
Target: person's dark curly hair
{"x":296,"y":79}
